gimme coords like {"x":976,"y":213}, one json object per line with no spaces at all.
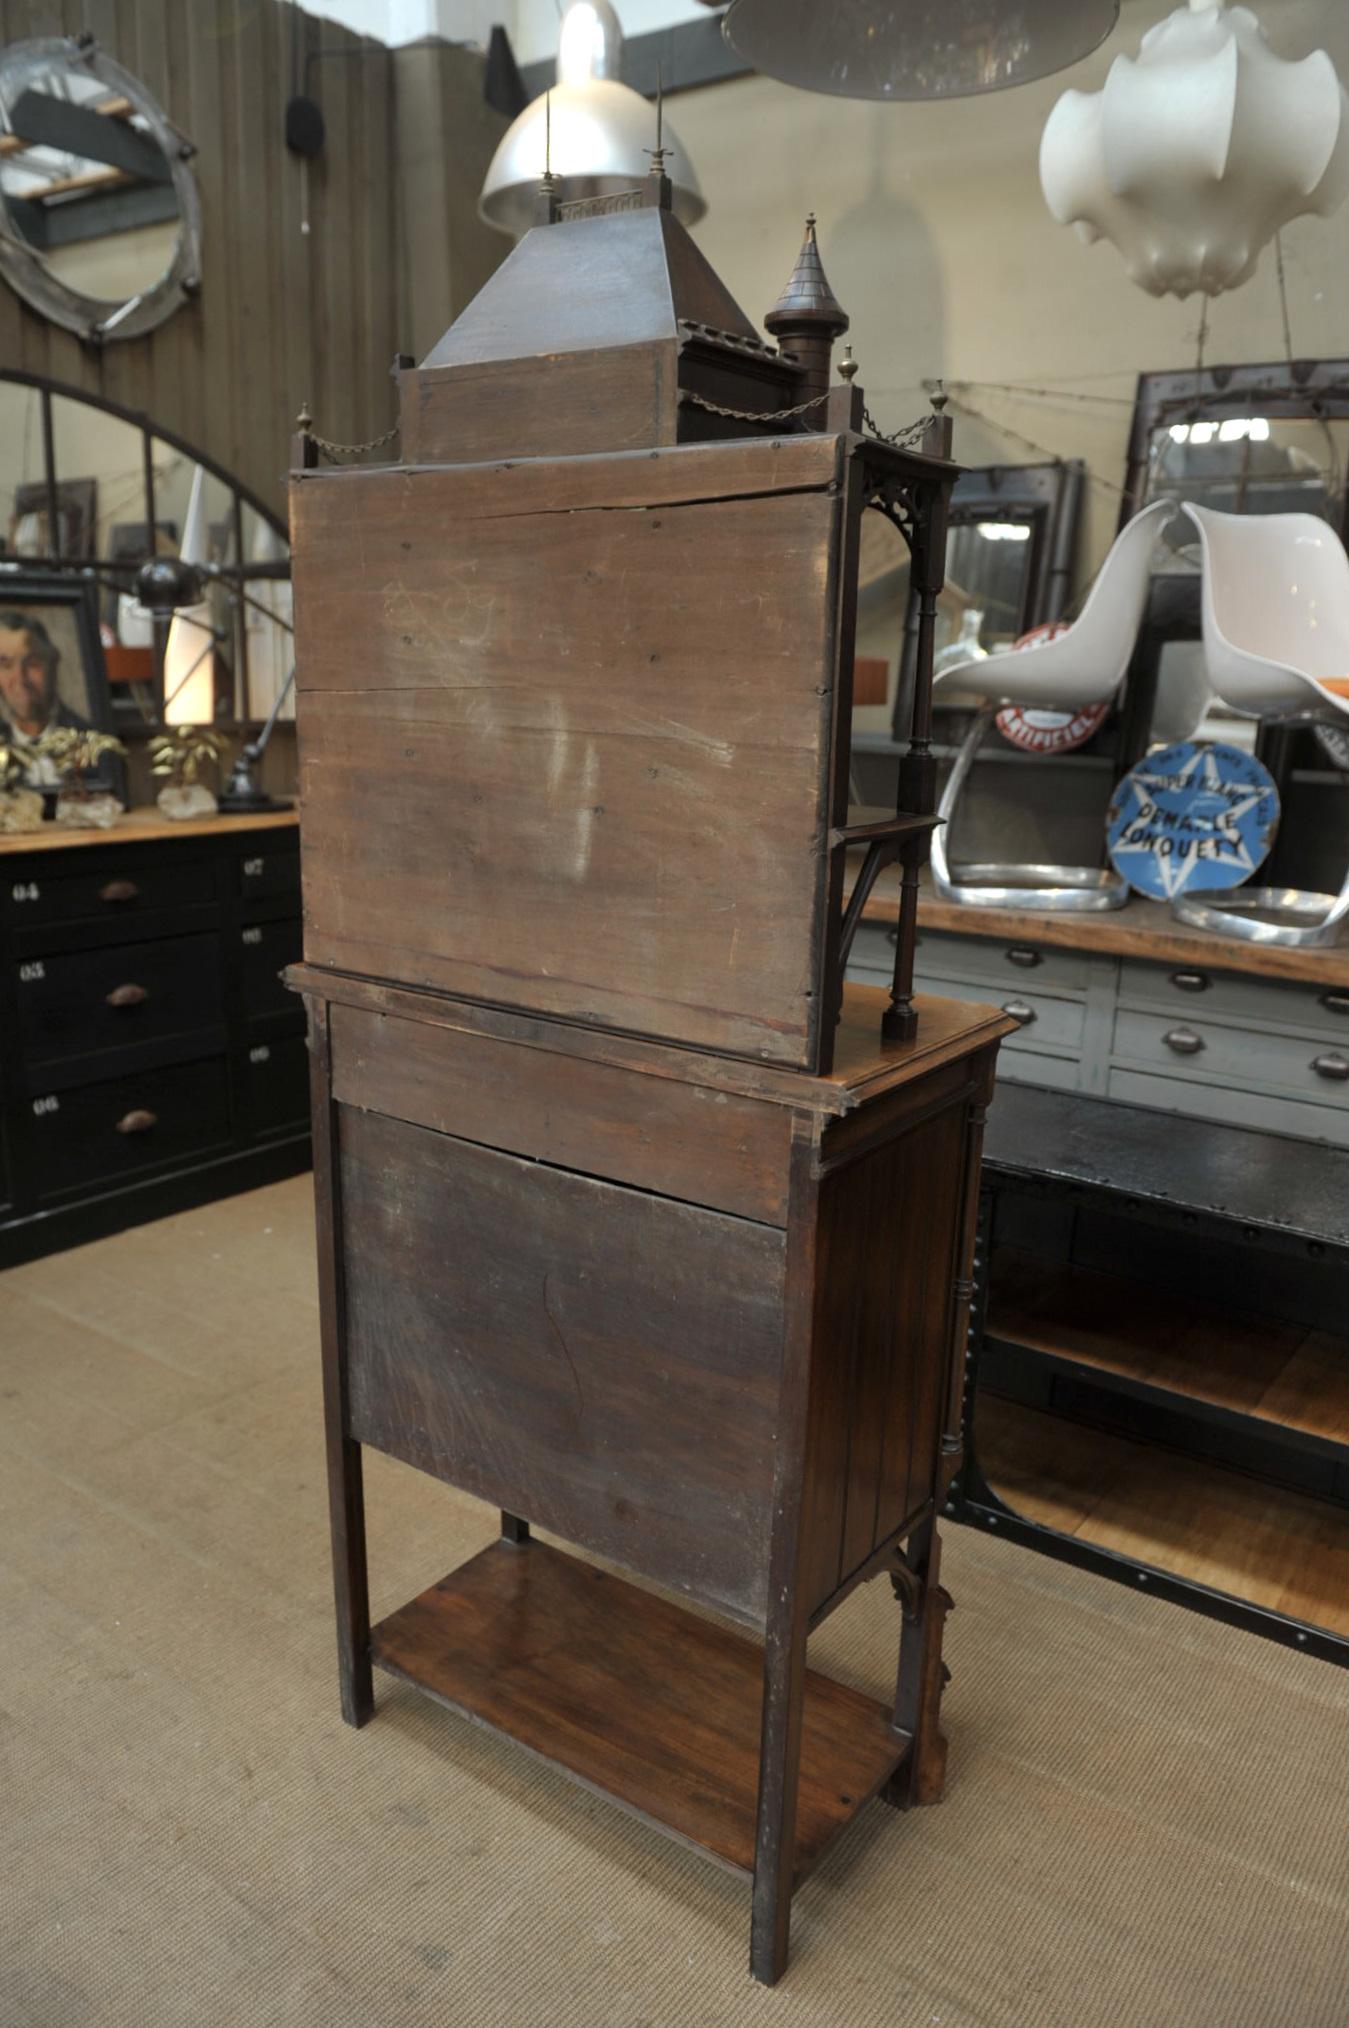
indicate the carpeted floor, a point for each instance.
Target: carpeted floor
{"x":1147,"y":1821}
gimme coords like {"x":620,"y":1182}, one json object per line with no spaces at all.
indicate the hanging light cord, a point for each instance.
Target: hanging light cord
{"x":1283,"y":303}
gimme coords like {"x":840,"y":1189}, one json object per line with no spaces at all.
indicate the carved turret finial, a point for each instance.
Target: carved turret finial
{"x":659,"y":189}
{"x":808,"y":317}
{"x":545,"y":198}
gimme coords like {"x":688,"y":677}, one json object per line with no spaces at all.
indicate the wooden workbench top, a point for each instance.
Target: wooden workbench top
{"x":1141,"y":929}
{"x":137,"y":827}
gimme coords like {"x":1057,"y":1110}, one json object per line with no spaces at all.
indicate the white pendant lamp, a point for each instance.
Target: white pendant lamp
{"x":1193,"y":156}
{"x":189,"y":652}
{"x":595,"y":133}
{"x":915,"y":49}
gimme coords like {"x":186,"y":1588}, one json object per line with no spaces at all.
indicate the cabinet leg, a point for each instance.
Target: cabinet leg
{"x":922,"y":1673}
{"x":346,"y":1500}
{"x":779,"y":1770}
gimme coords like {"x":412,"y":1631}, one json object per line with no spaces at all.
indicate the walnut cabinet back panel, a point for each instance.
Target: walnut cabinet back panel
{"x":565,"y":735}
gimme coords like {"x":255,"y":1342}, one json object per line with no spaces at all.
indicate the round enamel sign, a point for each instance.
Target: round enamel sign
{"x":1042,"y":732}
{"x":1189,"y":818}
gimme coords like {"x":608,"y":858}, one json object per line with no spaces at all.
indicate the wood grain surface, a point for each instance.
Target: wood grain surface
{"x":1278,"y":1371}
{"x":866,"y":1066}
{"x":688,"y":1141}
{"x":588,"y":1672}
{"x":885,"y":1290}
{"x":1141,"y":929}
{"x":142,"y":825}
{"x":567,"y":1350}
{"x":1252,"y":1540}
{"x":538,"y":770}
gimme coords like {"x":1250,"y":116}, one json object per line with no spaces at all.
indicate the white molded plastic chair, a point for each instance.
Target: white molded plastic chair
{"x":1083,"y":666}
{"x":1276,"y":641}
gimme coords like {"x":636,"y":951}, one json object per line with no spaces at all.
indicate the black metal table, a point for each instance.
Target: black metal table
{"x":1253,"y":1224}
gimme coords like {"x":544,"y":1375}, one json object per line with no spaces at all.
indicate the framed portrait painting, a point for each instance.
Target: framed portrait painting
{"x":51,"y":658}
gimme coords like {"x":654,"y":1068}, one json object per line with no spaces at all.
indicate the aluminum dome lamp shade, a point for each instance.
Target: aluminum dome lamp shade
{"x":595,"y":133}
{"x":915,"y":49}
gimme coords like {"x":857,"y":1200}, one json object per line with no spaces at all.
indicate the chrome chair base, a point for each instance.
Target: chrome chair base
{"x":993,"y":884}
{"x":1292,"y":918}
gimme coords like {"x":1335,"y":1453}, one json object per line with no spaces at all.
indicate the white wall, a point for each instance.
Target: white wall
{"x":531,"y":24}
{"x":936,"y":239}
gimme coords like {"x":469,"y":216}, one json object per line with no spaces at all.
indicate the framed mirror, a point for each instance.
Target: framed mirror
{"x":1011,"y":544}
{"x":1271,"y":439}
{"x":100,"y":224}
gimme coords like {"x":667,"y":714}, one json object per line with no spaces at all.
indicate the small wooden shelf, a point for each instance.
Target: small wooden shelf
{"x":867,"y":822}
{"x":633,"y":1697}
{"x":1280,"y":1550}
{"x":1282,"y":1375}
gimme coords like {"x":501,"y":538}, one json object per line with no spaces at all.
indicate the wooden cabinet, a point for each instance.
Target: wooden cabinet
{"x":632,"y":1221}
{"x":702,"y":1318}
{"x":152,"y":1058}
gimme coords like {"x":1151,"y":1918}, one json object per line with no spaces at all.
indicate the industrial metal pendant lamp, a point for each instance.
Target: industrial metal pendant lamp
{"x":594,"y":133}
{"x":915,"y":49}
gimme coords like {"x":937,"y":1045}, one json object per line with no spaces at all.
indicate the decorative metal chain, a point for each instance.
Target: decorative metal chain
{"x":900,"y":438}
{"x":752,"y":414}
{"x":335,"y":452}
{"x":909,"y":434}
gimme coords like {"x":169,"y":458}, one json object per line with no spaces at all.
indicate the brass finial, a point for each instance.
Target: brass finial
{"x":939,"y":397}
{"x":848,"y":366}
{"x":304,"y":421}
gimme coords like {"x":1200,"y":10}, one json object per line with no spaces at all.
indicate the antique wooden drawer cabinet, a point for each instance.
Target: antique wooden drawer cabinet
{"x":152,"y":1057}
{"x":631,"y":1222}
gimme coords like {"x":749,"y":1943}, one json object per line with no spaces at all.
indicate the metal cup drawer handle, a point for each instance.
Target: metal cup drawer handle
{"x":118,"y":890}
{"x":1191,"y":982}
{"x":1019,"y":955}
{"x":1184,"y":1041}
{"x":1020,"y":1011}
{"x":1335,"y":1003}
{"x":137,"y":1121}
{"x":127,"y":996}
{"x":1333,"y":1066}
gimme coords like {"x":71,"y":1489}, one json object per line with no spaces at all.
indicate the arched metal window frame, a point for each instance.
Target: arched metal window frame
{"x":86,"y":567}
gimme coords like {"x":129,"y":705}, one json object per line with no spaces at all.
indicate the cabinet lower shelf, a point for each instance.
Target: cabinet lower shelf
{"x":1193,"y":1524}
{"x":635,"y":1698}
{"x":1281,"y":1377}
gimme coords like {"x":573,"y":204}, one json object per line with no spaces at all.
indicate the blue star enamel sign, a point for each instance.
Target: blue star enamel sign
{"x":1189,"y":818}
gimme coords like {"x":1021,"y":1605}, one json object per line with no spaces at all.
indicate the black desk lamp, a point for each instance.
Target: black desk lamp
{"x":165,"y":584}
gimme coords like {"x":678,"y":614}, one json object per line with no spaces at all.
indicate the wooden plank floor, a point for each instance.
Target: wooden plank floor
{"x":633,"y":1697}
{"x":1195,"y":1520}
{"x":1279,"y":1372}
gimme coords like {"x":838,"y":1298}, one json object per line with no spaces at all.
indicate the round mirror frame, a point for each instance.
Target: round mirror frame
{"x":90,"y":317}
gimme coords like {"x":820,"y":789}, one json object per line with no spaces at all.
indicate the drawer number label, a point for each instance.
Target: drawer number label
{"x":252,"y":936}
{"x":253,"y":867}
{"x":25,"y":890}
{"x":50,"y":1104}
{"x":260,"y":1053}
{"x":34,"y":969}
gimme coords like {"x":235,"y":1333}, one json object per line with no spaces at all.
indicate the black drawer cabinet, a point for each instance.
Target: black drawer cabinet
{"x":125,"y":886}
{"x":276,"y":1079}
{"x":90,"y":1133}
{"x":149,"y":1056}
{"x":119,"y":998}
